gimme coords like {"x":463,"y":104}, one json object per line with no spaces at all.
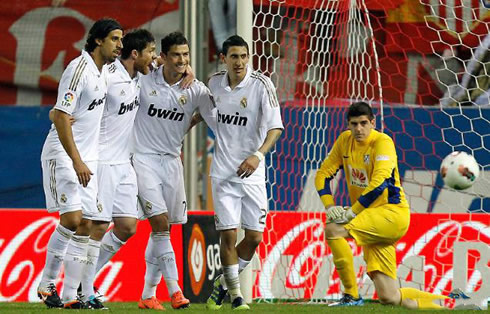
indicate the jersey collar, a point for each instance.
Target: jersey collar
{"x":161,"y":81}
{"x":91,"y":63}
{"x":122,"y":71}
{"x":226,"y":84}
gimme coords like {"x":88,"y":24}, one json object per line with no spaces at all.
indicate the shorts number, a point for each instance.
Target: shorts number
{"x":185,"y":206}
{"x":263,"y":216}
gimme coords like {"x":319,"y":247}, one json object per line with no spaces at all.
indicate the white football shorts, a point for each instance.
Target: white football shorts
{"x":237,"y":203}
{"x":117,"y":191}
{"x":160,"y":187}
{"x":63,"y":192}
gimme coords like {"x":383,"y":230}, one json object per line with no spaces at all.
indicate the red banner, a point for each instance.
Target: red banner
{"x":39,"y":40}
{"x":295,"y":262}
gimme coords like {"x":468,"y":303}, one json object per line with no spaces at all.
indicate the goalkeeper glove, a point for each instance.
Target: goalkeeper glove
{"x":342,"y":216}
{"x":334,"y":212}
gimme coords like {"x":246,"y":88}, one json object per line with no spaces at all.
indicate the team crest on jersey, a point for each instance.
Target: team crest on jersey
{"x":243,"y":102}
{"x":67,"y":99}
{"x":148,"y":206}
{"x":182,"y":100}
{"x":358,"y":177}
{"x":366,"y":159}
{"x":63,"y":198}
{"x":153,"y":93}
{"x":99,"y":207}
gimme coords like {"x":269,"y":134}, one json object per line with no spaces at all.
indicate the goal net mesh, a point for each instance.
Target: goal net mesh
{"x":423,"y":67}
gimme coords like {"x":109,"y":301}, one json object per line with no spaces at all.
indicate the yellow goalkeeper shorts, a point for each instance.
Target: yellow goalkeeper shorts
{"x":377,"y":229}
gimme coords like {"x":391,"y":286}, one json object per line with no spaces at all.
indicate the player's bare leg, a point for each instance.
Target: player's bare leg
{"x":389,"y":293}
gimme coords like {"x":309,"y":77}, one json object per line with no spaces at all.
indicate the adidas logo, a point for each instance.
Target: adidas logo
{"x":153,"y":93}
{"x":122,"y":93}
{"x":96,"y":88}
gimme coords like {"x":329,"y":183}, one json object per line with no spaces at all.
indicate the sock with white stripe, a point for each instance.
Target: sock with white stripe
{"x":89,"y":271}
{"x":109,"y":246}
{"x":153,"y":275}
{"x":57,"y":245}
{"x":75,"y":260}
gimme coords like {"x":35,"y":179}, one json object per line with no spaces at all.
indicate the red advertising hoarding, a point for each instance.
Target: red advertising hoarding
{"x":295,"y":262}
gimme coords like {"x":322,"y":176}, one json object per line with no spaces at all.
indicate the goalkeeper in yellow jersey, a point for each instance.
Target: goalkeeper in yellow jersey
{"x":379,"y":215}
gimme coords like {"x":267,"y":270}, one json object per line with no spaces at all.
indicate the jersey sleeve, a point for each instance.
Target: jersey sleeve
{"x":329,"y":168}
{"x":207,"y":107}
{"x":384,"y":165}
{"x":70,"y":87}
{"x":271,"y":111}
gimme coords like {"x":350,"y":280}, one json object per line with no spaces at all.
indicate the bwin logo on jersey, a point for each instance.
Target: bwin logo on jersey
{"x":129,"y":107}
{"x":232,"y":119}
{"x":96,"y":103}
{"x":165,"y":114}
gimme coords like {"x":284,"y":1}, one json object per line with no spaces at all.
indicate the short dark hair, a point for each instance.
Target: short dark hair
{"x":100,"y":30}
{"x":136,"y":40}
{"x":358,"y":109}
{"x":234,"y":40}
{"x":175,"y":38}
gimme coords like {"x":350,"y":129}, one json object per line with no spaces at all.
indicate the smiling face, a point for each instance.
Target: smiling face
{"x":236,"y":60}
{"x":143,"y":59}
{"x":111,"y":45}
{"x":175,"y":61}
{"x":361,"y":127}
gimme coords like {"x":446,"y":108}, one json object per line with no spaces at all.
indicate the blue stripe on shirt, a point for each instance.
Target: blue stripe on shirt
{"x":393,"y":192}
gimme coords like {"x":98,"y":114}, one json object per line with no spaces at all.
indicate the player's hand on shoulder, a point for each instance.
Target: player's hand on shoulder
{"x":188,"y":78}
{"x":83,"y":172}
{"x":248,"y":166}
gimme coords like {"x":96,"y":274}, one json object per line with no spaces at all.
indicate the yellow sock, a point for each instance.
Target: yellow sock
{"x":427,"y":304}
{"x":412,"y":293}
{"x":344,"y":262}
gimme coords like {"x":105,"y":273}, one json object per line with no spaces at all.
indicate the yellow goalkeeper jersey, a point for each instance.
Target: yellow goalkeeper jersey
{"x":370,"y":168}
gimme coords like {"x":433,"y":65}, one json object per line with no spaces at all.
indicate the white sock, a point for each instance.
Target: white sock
{"x":230,"y":273}
{"x":164,"y":252}
{"x":57,"y":245}
{"x":109,"y":246}
{"x":153,"y":275}
{"x":88,"y":277}
{"x":242,"y":264}
{"x":75,"y":260}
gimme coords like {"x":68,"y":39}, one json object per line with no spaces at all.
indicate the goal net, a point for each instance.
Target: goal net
{"x":423,"y":66}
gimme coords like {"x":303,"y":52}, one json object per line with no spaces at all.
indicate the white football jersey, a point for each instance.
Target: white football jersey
{"x":244,"y":116}
{"x":120,"y":110}
{"x":165,"y":114}
{"x":81,"y":94}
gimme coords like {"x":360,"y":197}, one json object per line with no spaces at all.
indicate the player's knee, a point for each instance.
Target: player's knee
{"x":332,"y":231}
{"x":125,"y":231}
{"x":253,"y":240}
{"x":388,"y":298}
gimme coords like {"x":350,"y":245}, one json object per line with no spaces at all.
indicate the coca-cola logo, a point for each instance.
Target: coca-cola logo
{"x":22,"y":259}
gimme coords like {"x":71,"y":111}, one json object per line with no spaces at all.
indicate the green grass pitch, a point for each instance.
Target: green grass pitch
{"x":293,"y":308}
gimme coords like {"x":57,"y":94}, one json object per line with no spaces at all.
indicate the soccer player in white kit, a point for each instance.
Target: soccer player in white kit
{"x":69,"y":161}
{"x":161,"y":123}
{"x":248,"y":125}
{"x":117,"y":197}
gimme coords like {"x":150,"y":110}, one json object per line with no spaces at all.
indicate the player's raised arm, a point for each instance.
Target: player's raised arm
{"x":383,"y":172}
{"x":329,"y":168}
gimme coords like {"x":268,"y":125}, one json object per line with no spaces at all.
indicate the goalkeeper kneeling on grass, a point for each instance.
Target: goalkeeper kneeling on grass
{"x":379,"y":215}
